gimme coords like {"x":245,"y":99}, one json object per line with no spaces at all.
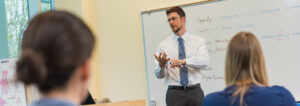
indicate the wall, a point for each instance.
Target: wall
{"x":73,"y":6}
{"x":120,"y":63}
{"x":81,"y":9}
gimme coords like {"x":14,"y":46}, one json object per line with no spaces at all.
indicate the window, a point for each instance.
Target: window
{"x":14,"y":17}
{"x":47,"y":5}
{"x":17,"y":20}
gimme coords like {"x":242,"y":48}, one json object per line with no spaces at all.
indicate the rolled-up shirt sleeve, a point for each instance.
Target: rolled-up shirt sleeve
{"x":158,"y":71}
{"x":201,"y":59}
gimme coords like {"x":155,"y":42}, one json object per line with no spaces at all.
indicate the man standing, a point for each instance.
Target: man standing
{"x":179,"y":59}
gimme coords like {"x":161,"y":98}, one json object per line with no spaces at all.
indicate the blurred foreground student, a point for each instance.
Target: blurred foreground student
{"x":56,"y":51}
{"x":246,"y":77}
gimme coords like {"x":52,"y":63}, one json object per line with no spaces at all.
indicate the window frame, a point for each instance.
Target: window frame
{"x":3,"y":32}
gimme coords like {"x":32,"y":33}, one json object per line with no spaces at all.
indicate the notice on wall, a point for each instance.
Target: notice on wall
{"x":12,"y":93}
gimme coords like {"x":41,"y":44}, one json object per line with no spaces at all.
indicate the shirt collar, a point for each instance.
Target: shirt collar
{"x":184,"y":36}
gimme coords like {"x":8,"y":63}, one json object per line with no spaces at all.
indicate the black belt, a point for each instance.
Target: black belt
{"x":185,"y":87}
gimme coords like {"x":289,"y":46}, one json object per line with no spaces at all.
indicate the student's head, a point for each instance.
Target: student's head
{"x":176,"y":18}
{"x":56,"y":49}
{"x":245,"y":63}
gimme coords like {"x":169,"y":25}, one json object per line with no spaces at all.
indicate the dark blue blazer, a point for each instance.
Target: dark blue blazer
{"x":255,"y":96}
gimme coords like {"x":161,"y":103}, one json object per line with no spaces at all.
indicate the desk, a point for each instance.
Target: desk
{"x":123,"y":103}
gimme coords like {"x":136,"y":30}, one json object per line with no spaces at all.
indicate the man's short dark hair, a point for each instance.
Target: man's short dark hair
{"x":176,"y":9}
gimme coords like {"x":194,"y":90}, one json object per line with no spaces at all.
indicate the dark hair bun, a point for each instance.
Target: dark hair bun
{"x":31,"y":68}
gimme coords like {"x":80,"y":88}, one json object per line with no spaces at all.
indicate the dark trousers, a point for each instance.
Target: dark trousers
{"x":184,"y":97}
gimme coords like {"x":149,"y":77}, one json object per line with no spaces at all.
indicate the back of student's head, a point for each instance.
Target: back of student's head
{"x":244,"y":63}
{"x":54,"y":45}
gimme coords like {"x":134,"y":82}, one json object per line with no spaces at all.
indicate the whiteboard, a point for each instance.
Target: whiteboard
{"x":12,"y":93}
{"x":274,"y":22}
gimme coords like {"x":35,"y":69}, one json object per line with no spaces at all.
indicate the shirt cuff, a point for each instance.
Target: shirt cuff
{"x":187,"y":62}
{"x":162,"y":69}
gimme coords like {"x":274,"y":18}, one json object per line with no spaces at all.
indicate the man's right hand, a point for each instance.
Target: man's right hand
{"x":162,"y":59}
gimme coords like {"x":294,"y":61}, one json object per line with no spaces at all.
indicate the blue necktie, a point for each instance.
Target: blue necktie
{"x":184,"y":80}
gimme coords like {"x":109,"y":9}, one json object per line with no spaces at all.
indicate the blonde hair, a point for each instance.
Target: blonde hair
{"x":244,"y":64}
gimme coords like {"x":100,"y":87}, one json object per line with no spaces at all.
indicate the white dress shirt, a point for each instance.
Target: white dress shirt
{"x":197,"y":58}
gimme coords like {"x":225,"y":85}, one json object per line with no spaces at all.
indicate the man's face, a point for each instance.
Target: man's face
{"x":175,"y":22}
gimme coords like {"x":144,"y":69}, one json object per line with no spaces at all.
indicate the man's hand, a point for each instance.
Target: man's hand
{"x":177,"y":63}
{"x":162,"y":59}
